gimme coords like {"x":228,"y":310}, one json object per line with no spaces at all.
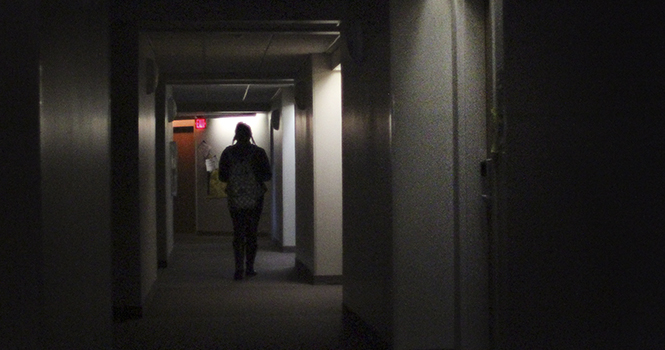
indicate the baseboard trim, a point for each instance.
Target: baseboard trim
{"x":354,"y":324}
{"x":283,"y":249}
{"x":305,"y":274}
{"x":289,"y":249}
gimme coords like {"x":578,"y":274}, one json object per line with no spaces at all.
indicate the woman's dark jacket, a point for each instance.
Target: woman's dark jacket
{"x":238,"y":152}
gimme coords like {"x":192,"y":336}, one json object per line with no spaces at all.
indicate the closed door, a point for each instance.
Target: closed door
{"x":184,"y":204}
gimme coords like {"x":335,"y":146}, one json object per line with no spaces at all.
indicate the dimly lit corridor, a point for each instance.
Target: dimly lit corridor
{"x":197,"y":305}
{"x":496,"y":182}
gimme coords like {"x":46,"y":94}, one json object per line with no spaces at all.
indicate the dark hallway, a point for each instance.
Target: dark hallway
{"x":196,"y":305}
{"x":563,"y":101}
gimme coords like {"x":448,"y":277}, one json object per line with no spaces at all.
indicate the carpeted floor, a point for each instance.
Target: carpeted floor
{"x":196,"y":304}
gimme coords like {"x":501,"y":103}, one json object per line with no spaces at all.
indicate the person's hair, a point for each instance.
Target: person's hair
{"x":243,"y":133}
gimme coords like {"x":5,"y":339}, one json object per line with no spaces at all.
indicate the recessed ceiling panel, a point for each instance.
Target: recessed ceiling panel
{"x":283,"y":65}
{"x":177,"y":52}
{"x":301,"y":43}
{"x":234,"y":53}
{"x":260,"y":93}
{"x":201,"y":58}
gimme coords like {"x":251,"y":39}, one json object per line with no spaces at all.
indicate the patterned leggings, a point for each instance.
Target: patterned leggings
{"x":245,"y":227}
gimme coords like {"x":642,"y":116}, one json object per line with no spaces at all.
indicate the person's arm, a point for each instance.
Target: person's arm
{"x":224,"y":163}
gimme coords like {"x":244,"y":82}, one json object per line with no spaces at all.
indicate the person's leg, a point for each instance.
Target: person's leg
{"x":239,"y":236}
{"x":251,"y":237}
{"x":252,"y":247}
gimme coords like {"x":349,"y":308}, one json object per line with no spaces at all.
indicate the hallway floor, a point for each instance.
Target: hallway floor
{"x":196,"y":304}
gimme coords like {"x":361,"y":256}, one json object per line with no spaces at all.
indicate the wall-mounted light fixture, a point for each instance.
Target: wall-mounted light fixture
{"x":275,"y":118}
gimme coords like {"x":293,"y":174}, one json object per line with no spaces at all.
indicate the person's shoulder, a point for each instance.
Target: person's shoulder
{"x":255,"y":148}
{"x":231,"y":150}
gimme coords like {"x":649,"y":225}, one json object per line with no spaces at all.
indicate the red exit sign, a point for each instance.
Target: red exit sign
{"x":200,"y":123}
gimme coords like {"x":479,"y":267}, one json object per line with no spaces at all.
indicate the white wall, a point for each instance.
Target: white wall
{"x":212,"y":214}
{"x":288,"y":153}
{"x":471,"y":108}
{"x":327,"y":148}
{"x":424,"y":170}
{"x":438,"y":84}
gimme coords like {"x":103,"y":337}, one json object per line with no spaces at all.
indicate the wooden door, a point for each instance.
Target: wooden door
{"x":184,"y":203}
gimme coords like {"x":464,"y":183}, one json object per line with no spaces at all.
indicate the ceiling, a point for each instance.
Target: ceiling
{"x":239,"y":69}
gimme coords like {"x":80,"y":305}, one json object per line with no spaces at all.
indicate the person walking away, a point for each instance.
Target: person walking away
{"x":245,"y":167}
